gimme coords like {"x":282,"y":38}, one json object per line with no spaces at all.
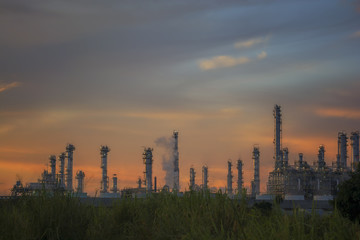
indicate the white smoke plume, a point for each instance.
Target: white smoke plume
{"x":167,"y":159}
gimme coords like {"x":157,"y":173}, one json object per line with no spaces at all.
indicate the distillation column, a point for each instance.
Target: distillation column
{"x":355,"y":149}
{"x":176,"y":161}
{"x":240,"y":176}
{"x":104,"y":179}
{"x":205,"y":177}
{"x":277,"y":137}
{"x":192,"y":178}
{"x":229,"y":178}
{"x":115,"y":180}
{"x":148,"y":160}
{"x":52,"y":159}
{"x":321,"y":157}
{"x":255,"y":185}
{"x":62,"y":170}
{"x":80,"y":175}
{"x":342,"y":150}
{"x":69,"y":172}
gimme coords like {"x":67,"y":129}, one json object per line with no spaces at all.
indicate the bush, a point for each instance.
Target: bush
{"x":196,"y":215}
{"x":348,"y":197}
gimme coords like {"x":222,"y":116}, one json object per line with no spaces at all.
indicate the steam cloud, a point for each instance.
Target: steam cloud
{"x":167,"y":159}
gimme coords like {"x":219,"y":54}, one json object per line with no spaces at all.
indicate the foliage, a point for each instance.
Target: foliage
{"x":196,"y":215}
{"x":348,"y":197}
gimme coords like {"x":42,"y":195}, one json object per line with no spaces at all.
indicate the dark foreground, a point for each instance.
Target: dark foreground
{"x":165,"y":216}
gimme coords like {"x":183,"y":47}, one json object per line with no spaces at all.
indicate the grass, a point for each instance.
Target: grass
{"x":164,"y":216}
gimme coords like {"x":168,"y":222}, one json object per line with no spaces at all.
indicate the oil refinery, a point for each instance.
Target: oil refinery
{"x":298,"y":181}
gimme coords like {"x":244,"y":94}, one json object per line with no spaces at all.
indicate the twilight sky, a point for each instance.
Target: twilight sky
{"x":125,"y":73}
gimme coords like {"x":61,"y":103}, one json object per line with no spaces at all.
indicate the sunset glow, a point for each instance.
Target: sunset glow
{"x":124,"y":74}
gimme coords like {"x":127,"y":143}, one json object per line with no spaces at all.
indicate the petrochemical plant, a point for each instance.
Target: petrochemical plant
{"x":299,"y":181}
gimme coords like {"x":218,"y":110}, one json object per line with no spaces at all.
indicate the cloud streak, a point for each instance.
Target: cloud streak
{"x":249,"y":43}
{"x":262,"y":55}
{"x":222,"y":62}
{"x":338,"y":113}
{"x":4,"y":87}
{"x":356,"y":34}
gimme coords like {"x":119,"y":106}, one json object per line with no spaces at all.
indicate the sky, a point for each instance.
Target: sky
{"x":126,"y":73}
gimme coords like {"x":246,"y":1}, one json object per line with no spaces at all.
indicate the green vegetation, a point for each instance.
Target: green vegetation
{"x":348,"y":198}
{"x":164,"y":216}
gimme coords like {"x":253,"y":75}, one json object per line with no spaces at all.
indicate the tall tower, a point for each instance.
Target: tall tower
{"x":148,"y":160}
{"x":205,"y":177}
{"x":321,"y":157}
{"x":80,"y":175}
{"x":277,"y":137}
{"x":255,"y":184}
{"x":62,"y":157}
{"x":240,"y":176}
{"x":176,"y":161}
{"x":342,"y":150}
{"x":52,"y":159}
{"x":69,"y":171}
{"x":192,"y":178}
{"x":355,"y":149}
{"x":229,"y":178}
{"x":104,"y":179}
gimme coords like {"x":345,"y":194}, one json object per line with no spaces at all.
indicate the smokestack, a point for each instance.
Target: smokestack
{"x":321,"y":157}
{"x":80,"y":175}
{"x":355,"y":149}
{"x":147,"y":158}
{"x":277,"y":137}
{"x":205,"y":177}
{"x":115,"y":182}
{"x":104,"y":179}
{"x":176,"y":161}
{"x":192,"y":178}
{"x":52,"y":159}
{"x":69,"y":172}
{"x":255,"y":184}
{"x":342,"y":150}
{"x":240,"y":176}
{"x":229,"y":178}
{"x":62,"y":169}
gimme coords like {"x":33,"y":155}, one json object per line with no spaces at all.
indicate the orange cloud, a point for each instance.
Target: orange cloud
{"x":340,"y":113}
{"x":4,"y":87}
{"x":355,"y":34}
{"x":249,"y":43}
{"x":222,"y":62}
{"x":262,"y":55}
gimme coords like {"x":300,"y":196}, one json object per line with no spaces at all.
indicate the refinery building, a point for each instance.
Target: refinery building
{"x":300,"y":181}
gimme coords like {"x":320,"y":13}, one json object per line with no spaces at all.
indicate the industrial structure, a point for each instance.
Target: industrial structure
{"x":52,"y":181}
{"x":80,"y":175}
{"x":192,"y":178}
{"x":148,"y":161}
{"x":255,"y":184}
{"x":104,"y":150}
{"x":205,"y":177}
{"x":303,"y":181}
{"x":298,"y":181}
{"x":355,"y":149}
{"x":69,"y":171}
{"x":114,"y":189}
{"x":229,"y":179}
{"x":62,"y":170}
{"x":176,"y":162}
